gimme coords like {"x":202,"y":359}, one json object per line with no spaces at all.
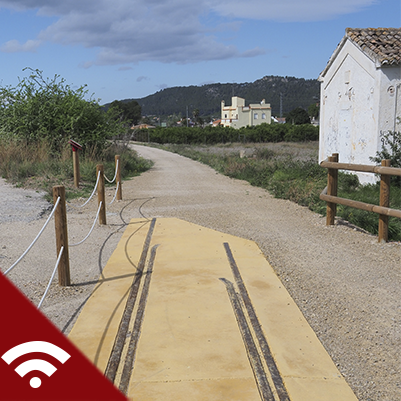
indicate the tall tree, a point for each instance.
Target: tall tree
{"x":313,"y":110}
{"x":297,"y":116}
{"x":128,"y":112}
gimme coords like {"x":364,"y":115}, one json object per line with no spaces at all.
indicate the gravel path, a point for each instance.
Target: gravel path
{"x":18,"y":204}
{"x":346,"y":284}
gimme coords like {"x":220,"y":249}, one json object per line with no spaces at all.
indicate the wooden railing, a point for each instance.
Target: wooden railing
{"x":329,"y":194}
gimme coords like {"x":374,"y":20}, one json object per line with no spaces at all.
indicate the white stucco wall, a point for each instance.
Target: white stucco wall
{"x":360,"y":101}
{"x":390,"y":99}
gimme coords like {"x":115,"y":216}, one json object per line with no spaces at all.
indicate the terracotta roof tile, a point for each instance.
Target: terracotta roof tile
{"x":384,"y":44}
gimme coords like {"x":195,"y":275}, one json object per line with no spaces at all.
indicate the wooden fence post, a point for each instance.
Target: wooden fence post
{"x":100,"y":194}
{"x":118,"y":178}
{"x":60,"y":221}
{"x":384,"y":201}
{"x":332,"y":185}
{"x":75,"y":162}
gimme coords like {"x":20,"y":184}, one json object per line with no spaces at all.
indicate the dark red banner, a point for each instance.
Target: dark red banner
{"x":38,"y":362}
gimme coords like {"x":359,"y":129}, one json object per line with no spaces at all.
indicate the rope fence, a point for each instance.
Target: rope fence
{"x":59,"y":212}
{"x":115,"y":193}
{"x":51,"y":278}
{"x":93,"y":193}
{"x":37,"y":237}
{"x":90,"y":231}
{"x":115,"y":175}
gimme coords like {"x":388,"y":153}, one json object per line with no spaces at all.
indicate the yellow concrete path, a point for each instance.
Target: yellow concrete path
{"x":190,"y":344}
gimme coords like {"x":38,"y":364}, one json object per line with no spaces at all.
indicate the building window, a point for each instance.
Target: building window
{"x":255,"y":116}
{"x":225,"y":115}
{"x":263,"y":116}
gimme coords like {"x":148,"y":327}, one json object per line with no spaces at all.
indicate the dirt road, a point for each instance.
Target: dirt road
{"x":345,"y":283}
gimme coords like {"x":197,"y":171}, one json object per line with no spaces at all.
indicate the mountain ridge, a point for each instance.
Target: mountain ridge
{"x":295,"y":92}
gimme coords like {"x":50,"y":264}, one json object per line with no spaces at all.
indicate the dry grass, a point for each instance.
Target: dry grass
{"x":33,"y":166}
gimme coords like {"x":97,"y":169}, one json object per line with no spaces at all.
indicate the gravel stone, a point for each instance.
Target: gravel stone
{"x":19,"y":204}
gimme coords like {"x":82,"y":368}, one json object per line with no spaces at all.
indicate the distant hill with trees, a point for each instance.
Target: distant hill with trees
{"x":295,"y":92}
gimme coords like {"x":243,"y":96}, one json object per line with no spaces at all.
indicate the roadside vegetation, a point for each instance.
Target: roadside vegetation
{"x":39,"y":116}
{"x":214,"y":135}
{"x":32,"y":166}
{"x":297,"y":177}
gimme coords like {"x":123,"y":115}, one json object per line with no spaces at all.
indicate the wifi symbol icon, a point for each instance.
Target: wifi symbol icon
{"x":35,"y":364}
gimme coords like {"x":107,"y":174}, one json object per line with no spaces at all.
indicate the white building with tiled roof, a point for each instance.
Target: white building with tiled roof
{"x":361,"y":95}
{"x":238,"y":115}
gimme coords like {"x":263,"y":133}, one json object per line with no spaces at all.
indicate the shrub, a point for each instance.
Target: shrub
{"x":348,"y":182}
{"x":212,"y":135}
{"x":264,"y":153}
{"x":33,"y":165}
{"x":302,"y":133}
{"x":39,"y":109}
{"x":391,"y":149}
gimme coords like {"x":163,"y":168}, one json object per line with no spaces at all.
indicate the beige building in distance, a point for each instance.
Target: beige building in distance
{"x":238,"y":115}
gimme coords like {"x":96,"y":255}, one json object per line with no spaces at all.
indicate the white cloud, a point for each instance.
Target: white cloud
{"x":13,"y":46}
{"x":125,"y":68}
{"x":130,"y":31}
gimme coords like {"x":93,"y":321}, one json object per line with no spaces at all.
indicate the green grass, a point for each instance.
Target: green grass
{"x":300,"y":181}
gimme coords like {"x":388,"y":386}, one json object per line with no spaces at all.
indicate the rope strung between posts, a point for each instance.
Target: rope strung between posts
{"x":93,"y":226}
{"x":37,"y":237}
{"x":93,"y":193}
{"x":115,"y":193}
{"x":115,"y":175}
{"x":51,"y":278}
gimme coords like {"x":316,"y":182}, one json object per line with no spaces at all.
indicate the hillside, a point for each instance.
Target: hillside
{"x":207,"y":98}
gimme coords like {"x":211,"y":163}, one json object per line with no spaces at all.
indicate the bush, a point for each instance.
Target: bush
{"x":50,"y":110}
{"x":391,"y":149}
{"x":212,"y":135}
{"x":34,"y":166}
{"x":348,"y":182}
{"x":297,"y":116}
{"x":264,"y":153}
{"x":302,"y":133}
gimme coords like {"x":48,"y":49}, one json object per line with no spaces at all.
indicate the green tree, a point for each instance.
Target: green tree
{"x":127,"y":112}
{"x":146,"y":120}
{"x":313,"y":110}
{"x":195,"y":113}
{"x":297,"y":116}
{"x":39,"y":109}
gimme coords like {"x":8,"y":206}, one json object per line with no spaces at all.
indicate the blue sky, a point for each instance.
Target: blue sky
{"x":130,"y":49}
